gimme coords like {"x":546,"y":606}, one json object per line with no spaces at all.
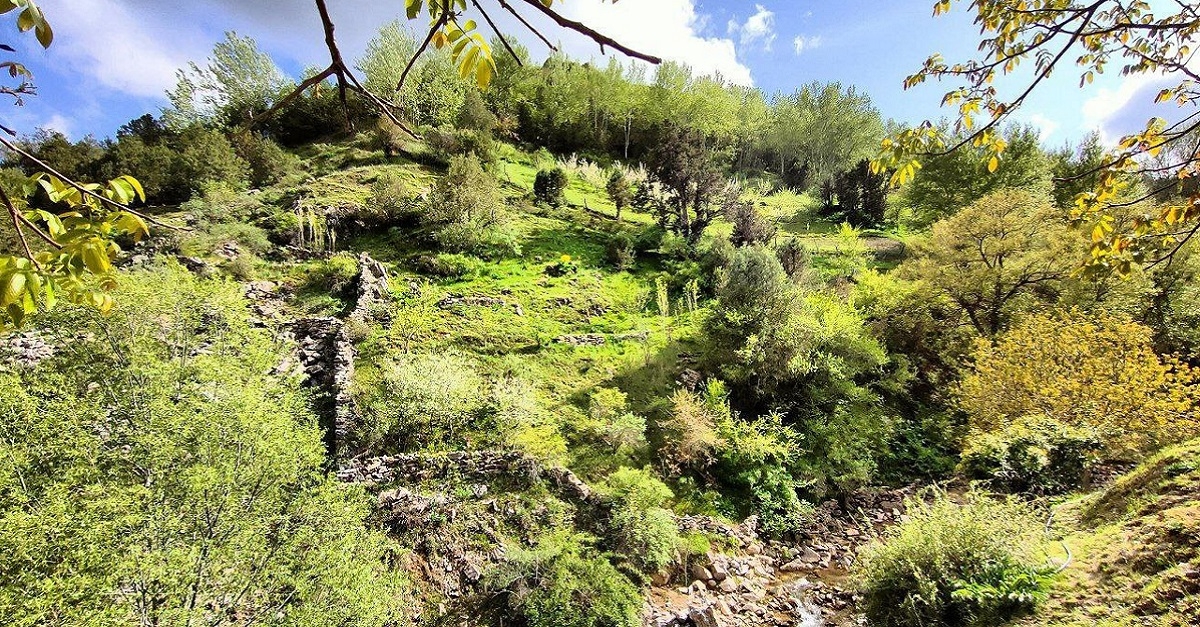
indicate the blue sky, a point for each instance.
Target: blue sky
{"x":113,"y":59}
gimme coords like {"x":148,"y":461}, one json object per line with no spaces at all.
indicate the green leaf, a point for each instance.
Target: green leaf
{"x":44,"y":34}
{"x":95,"y":257}
{"x":14,"y":288}
{"x":27,"y":19}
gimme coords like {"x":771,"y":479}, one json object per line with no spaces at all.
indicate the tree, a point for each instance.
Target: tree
{"x":1095,"y":371}
{"x":67,"y":256}
{"x":1142,"y":41}
{"x":949,"y":182}
{"x":119,"y":507}
{"x":750,"y":227}
{"x":619,"y":190}
{"x":385,"y":60}
{"x":821,"y":129}
{"x":991,"y":256}
{"x":690,"y":180}
{"x":858,"y":196}
{"x":238,"y":82}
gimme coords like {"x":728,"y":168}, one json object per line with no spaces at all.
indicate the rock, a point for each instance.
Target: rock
{"x":727,"y":586}
{"x":809,"y":556}
{"x":702,"y":617}
{"x":700,"y":572}
{"x":718,"y":572}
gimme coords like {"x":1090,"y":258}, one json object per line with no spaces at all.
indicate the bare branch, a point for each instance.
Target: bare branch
{"x":584,"y":30}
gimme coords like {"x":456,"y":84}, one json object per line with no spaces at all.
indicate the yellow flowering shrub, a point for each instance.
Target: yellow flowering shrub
{"x":1095,"y":372}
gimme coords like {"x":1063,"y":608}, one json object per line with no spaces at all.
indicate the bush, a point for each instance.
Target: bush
{"x":447,"y":143}
{"x":750,"y":227}
{"x":549,"y":185}
{"x":453,"y":266}
{"x":333,"y":276}
{"x":976,"y":564}
{"x":621,"y":251}
{"x":561,"y":582}
{"x":390,"y":201}
{"x":610,"y":422}
{"x":465,"y":206}
{"x":215,"y":238}
{"x":206,"y":156}
{"x":1031,"y":455}
{"x":267,"y":160}
{"x":1086,"y":371}
{"x":641,"y":530}
{"x":422,"y":401}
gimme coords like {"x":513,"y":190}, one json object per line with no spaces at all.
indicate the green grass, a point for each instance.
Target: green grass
{"x":1136,"y":547}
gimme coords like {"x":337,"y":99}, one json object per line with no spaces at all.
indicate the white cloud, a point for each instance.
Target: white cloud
{"x":1043,"y":124}
{"x":667,"y":28}
{"x":132,"y":55}
{"x":759,"y":27}
{"x":58,"y":123}
{"x":802,"y":43}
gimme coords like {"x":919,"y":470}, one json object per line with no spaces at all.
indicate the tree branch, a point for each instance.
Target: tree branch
{"x":584,"y":30}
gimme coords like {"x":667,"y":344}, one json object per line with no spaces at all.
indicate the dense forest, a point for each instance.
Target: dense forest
{"x":594,"y":345}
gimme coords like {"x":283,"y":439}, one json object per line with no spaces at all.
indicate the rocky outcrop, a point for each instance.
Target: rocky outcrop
{"x":373,"y":288}
{"x":749,"y":581}
{"x":476,"y":465}
{"x":324,"y":358}
{"x":25,"y":349}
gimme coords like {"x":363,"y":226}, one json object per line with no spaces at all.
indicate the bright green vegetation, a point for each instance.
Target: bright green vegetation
{"x":695,"y":297}
{"x":1135,"y":547}
{"x":977,"y":563}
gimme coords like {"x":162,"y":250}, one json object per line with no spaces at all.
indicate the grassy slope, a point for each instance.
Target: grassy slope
{"x":1136,"y":547}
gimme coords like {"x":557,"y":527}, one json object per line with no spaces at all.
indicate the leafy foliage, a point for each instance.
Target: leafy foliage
{"x":978,"y":563}
{"x":119,"y":507}
{"x":1097,"y":373}
{"x":562,"y":582}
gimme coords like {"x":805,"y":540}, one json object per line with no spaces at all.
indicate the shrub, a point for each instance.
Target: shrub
{"x":1093,"y":372}
{"x":207,"y":156}
{"x":620,"y":190}
{"x":610,"y":422}
{"x":453,"y":266}
{"x":267,"y":160}
{"x":464,"y":206}
{"x":446,"y":143}
{"x":690,"y":436}
{"x":217,"y":202}
{"x":1031,"y":455}
{"x":390,"y":137}
{"x":213,"y":239}
{"x":549,"y":185}
{"x":621,"y":251}
{"x":750,"y":227}
{"x":390,"y":200}
{"x":334,"y":275}
{"x":243,"y":267}
{"x":641,"y":530}
{"x":422,"y":401}
{"x":561,"y":582}
{"x":976,"y":564}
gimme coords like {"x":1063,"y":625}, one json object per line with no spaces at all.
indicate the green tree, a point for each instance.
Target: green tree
{"x":1139,"y":38}
{"x":821,"y":129}
{"x":950,"y":182}
{"x":692,"y":185}
{"x":119,"y":507}
{"x":992,"y":257}
{"x":236,"y":83}
{"x":386,"y":57}
{"x":619,"y":190}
